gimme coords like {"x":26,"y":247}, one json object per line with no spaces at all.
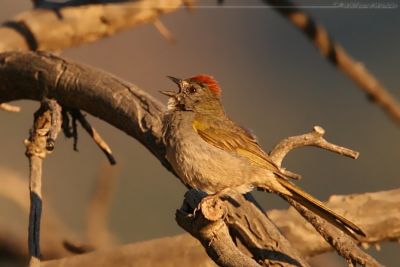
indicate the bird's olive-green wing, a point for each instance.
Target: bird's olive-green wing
{"x":230,"y":137}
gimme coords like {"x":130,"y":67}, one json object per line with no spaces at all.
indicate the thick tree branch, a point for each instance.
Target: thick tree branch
{"x":50,"y":29}
{"x":134,"y":111}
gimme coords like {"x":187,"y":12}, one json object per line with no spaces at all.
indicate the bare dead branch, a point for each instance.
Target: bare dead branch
{"x":42,"y":29}
{"x":46,"y":127}
{"x":9,"y":108}
{"x":250,"y":225}
{"x":133,"y":110}
{"x":314,"y":138}
{"x":337,"y":55}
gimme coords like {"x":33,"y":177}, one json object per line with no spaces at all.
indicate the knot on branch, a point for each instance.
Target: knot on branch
{"x":202,"y":214}
{"x":213,"y":208}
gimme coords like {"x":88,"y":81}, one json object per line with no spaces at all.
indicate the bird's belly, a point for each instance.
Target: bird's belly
{"x":205,"y":167}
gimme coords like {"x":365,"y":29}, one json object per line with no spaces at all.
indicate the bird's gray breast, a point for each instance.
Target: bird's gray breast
{"x":201,"y":165}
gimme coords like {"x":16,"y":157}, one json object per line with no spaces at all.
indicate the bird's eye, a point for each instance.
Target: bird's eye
{"x":192,"y":90}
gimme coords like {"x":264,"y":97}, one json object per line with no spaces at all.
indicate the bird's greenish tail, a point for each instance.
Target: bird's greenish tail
{"x":320,"y":209}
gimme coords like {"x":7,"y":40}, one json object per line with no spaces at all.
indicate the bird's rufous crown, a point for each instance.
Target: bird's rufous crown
{"x":209,"y":81}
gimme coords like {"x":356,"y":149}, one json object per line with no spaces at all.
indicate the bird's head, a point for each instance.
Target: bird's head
{"x":197,"y":93}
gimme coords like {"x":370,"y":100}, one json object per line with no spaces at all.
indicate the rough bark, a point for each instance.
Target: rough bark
{"x":66,"y":26}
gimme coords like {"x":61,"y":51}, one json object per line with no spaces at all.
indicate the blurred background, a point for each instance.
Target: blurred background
{"x":274,"y":82}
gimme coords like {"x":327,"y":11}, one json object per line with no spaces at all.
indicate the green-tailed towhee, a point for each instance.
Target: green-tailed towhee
{"x":211,"y":153}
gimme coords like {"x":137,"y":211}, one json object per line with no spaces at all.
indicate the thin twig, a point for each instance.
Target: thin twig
{"x":337,"y":55}
{"x":46,"y":126}
{"x":77,"y":114}
{"x":163,"y":30}
{"x":9,"y":108}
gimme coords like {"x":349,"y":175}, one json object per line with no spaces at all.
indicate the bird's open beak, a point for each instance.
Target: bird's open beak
{"x":170,"y":93}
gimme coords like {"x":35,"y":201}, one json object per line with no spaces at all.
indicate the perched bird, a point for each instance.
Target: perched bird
{"x":211,"y":153}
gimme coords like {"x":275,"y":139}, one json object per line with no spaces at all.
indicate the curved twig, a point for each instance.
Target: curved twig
{"x":314,"y":138}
